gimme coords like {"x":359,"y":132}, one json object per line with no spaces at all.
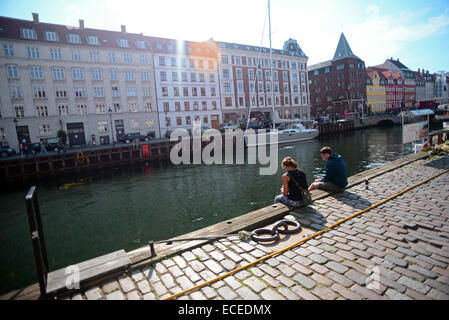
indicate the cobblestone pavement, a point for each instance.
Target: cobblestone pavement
{"x":399,"y":250}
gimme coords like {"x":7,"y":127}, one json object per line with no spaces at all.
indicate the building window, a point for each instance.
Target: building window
{"x":81,"y":109}
{"x":98,"y":92}
{"x":58,"y":73}
{"x":129,"y":75}
{"x":15,"y":92}
{"x":123,"y":43}
{"x":184,"y":76}
{"x":228,"y":102}
{"x":8,"y":50}
{"x":39,"y":92}
{"x":204,"y":105}
{"x":226,"y":74}
{"x":163,"y":76}
{"x":76,"y":55}
{"x":132,"y":107}
{"x":211,"y":77}
{"x":101,"y":108}
{"x":174,"y":76}
{"x":111,"y":57}
{"x":167,"y":121}
{"x":61,"y":92}
{"x":115,"y":91}
{"x":128,"y":58}
{"x":176,"y":92}
{"x":224,"y":59}
{"x":28,"y":33}
{"x":42,"y":111}
{"x":193,"y":77}
{"x":19,"y":111}
{"x":143,"y":59}
{"x":164,"y":91}
{"x":161,"y":61}
{"x":185,"y":91}
{"x":140,"y":44}
{"x":44,"y":130}
{"x":13,"y":72}
{"x":63,"y":110}
{"x":94,"y":56}
{"x":93,"y":40}
{"x":80,"y":92}
{"x":36,"y":73}
{"x":227,"y":88}
{"x":33,"y":52}
{"x":131,"y":92}
{"x":194,"y":92}
{"x":102,"y":126}
{"x":113,"y":75}
{"x":146,"y":92}
{"x":51,"y":36}
{"x":116,"y":107}
{"x":186,"y":106}
{"x":145,"y":76}
{"x":77,"y":74}
{"x":73,"y":38}
{"x":97,"y":74}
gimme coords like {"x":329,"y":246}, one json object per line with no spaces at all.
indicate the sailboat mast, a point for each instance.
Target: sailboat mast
{"x":271,"y":63}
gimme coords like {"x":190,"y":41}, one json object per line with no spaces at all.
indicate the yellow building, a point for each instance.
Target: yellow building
{"x":376,"y":98}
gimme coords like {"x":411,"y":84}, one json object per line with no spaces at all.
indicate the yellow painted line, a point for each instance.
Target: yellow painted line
{"x":303,"y":240}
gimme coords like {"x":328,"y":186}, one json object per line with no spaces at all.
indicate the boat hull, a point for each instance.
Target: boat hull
{"x":283,"y":137}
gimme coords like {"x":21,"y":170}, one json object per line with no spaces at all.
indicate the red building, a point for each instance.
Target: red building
{"x":338,"y":85}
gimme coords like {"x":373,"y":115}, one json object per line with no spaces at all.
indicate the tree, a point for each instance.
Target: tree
{"x":63,"y":136}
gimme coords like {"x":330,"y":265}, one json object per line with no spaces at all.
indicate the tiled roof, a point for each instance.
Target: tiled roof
{"x":245,"y":47}
{"x":343,"y":50}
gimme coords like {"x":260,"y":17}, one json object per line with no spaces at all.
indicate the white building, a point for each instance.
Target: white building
{"x":76,"y":79}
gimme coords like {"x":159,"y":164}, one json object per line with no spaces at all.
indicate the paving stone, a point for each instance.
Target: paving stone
{"x":396,"y":260}
{"x":290,"y":295}
{"x":184,"y":282}
{"x":319,"y":268}
{"x":432,"y":261}
{"x":191,"y":274}
{"x":346,"y":254}
{"x":394,"y":295}
{"x":232,"y":282}
{"x":303,"y":252}
{"x":302,"y":269}
{"x":200,"y":254}
{"x":180,"y":261}
{"x":416,"y":295}
{"x":137,"y":275}
{"x":144,"y":286}
{"x":216,"y":255}
{"x":150,"y":274}
{"x":175,"y":271}
{"x":93,"y":294}
{"x":270,"y":294}
{"x":325,"y":293}
{"x":366,"y":293}
{"x":197,"y":266}
{"x":209,"y":292}
{"x":270,"y":281}
{"x":407,"y":252}
{"x":116,"y":295}
{"x":348,"y":294}
{"x":247,"y":294}
{"x":168,"y":280}
{"x":227,"y":293}
{"x":303,"y":260}
{"x":322,"y":280}
{"x":160,"y":288}
{"x":243,"y":274}
{"x":438,"y":295}
{"x":340,"y":279}
{"x":255,"y":284}
{"x":357,"y":277}
{"x":188,"y":256}
{"x":149,"y":296}
{"x":258,"y":253}
{"x":362,"y":254}
{"x":285,"y":281}
{"x":246,"y":246}
{"x":197,"y":295}
{"x":332,"y":256}
{"x":304,"y":281}
{"x":269,"y":270}
{"x":336,"y":267}
{"x":318,"y":258}
{"x":160,"y":268}
{"x":288,"y":271}
{"x":228,"y":264}
{"x":133,"y":295}
{"x":110,"y":286}
{"x":414,"y":285}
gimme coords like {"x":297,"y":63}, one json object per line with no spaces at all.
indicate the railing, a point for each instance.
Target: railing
{"x":37,"y":239}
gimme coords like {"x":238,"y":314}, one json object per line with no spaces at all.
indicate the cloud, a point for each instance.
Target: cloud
{"x":382,"y":36}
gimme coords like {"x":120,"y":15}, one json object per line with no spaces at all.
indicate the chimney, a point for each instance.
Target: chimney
{"x":36,"y":17}
{"x":81,"y":23}
{"x":123,"y":27}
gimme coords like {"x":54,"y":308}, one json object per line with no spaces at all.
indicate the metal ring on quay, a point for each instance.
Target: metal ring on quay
{"x":275,"y":231}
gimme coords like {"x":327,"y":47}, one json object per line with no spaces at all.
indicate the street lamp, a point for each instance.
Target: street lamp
{"x":112,"y":129}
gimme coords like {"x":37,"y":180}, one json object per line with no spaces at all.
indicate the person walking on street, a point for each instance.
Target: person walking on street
{"x":336,"y":178}
{"x":43,"y":149}
{"x":292,"y":182}
{"x":22,"y":150}
{"x":61,"y":145}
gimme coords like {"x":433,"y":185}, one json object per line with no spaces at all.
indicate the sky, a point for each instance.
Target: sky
{"x":415,"y":31}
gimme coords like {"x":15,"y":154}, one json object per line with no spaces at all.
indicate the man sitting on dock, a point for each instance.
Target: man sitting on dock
{"x":336,"y":178}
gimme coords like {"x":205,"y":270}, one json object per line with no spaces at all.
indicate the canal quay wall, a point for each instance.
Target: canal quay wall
{"x":396,"y":250}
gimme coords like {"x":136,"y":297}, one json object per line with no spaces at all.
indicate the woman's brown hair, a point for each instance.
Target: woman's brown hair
{"x":289,"y":162}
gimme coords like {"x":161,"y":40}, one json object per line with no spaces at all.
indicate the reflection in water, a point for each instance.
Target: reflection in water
{"x":90,"y":215}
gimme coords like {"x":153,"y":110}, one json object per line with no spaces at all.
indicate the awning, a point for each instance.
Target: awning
{"x":231,"y":115}
{"x":417,"y":113}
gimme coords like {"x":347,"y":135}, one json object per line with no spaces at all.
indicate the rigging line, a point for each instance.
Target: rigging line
{"x":257,"y":64}
{"x":305,"y":239}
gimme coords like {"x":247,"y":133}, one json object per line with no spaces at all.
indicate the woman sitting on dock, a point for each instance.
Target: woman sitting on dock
{"x":292,"y":182}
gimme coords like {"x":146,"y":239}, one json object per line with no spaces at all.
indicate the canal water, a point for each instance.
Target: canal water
{"x":97,"y":213}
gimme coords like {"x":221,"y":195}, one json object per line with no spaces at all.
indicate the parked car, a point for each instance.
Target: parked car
{"x":7,"y":152}
{"x":130,"y":137}
{"x":256,"y":125}
{"x":231,"y":126}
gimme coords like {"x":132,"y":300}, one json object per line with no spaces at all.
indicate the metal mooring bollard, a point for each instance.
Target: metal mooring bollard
{"x":151,"y":244}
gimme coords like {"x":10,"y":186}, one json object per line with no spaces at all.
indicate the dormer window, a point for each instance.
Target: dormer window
{"x":141,"y":44}
{"x":73,"y":38}
{"x":28,"y":33}
{"x":93,"y":40}
{"x":51,"y":36}
{"x":122,"y":43}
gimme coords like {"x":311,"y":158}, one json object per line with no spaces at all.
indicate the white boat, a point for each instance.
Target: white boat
{"x":294,"y":133}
